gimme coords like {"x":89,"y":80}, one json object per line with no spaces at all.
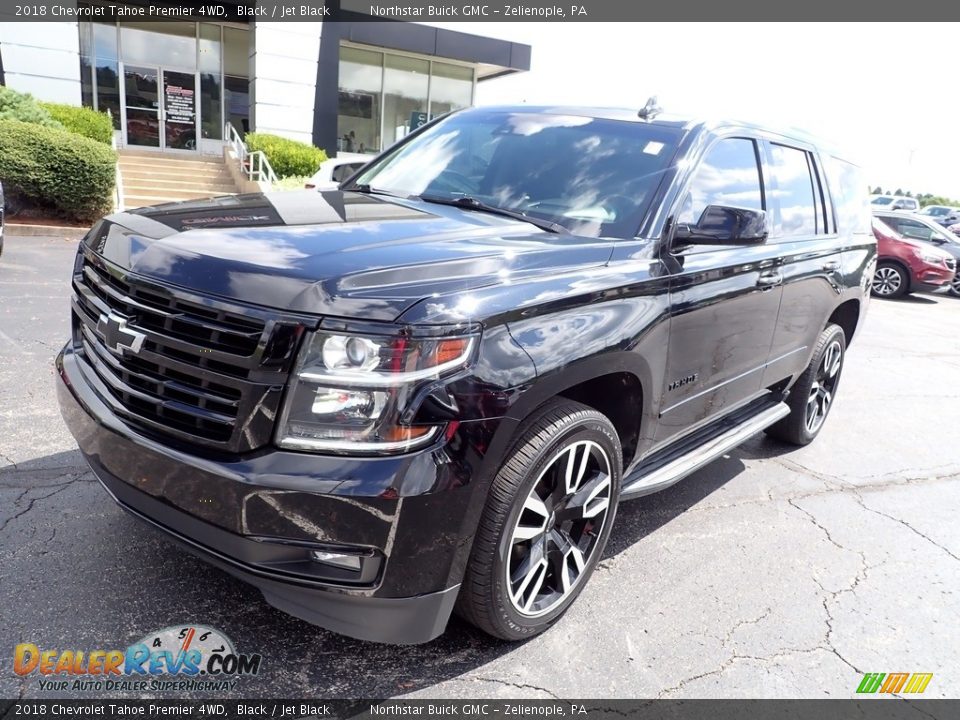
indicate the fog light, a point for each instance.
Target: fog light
{"x":349,"y":562}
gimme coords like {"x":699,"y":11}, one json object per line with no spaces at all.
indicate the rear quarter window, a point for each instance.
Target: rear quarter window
{"x":850,"y":197}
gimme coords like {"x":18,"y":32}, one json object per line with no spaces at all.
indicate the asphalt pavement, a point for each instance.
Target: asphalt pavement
{"x":773,"y":572}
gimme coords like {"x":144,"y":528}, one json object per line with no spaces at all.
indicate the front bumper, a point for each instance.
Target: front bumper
{"x":259,"y":517}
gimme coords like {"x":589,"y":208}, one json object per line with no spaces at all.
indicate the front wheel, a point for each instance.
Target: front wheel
{"x":546,"y":522}
{"x":811,"y":397}
{"x":955,"y":285}
{"x":890,"y":280}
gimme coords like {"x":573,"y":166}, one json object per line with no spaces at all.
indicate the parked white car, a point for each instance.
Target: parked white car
{"x":894,"y":202}
{"x":334,"y":171}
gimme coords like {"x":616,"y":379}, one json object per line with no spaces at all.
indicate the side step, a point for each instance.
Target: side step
{"x":645,"y":480}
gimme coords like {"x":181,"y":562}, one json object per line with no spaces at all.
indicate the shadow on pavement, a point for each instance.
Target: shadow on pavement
{"x":126,"y":580}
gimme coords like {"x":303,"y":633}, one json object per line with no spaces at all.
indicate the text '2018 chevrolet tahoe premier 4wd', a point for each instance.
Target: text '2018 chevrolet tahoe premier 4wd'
{"x":429,"y":391}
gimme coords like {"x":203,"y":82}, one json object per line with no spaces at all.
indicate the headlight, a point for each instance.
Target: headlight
{"x":930,"y":258}
{"x":347,"y":392}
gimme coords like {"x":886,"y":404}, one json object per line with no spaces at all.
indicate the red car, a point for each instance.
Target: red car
{"x":905,"y":266}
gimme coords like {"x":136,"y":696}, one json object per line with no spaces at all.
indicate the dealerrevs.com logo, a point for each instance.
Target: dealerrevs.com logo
{"x":184,"y":657}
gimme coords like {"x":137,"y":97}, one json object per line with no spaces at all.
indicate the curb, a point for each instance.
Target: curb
{"x":12,"y":229}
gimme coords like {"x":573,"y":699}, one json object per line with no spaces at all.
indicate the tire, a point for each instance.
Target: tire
{"x":817,"y":384}
{"x":498,"y":595}
{"x":955,"y":285}
{"x":890,"y":281}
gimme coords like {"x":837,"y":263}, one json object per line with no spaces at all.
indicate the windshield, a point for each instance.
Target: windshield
{"x":882,"y":200}
{"x":592,"y":176}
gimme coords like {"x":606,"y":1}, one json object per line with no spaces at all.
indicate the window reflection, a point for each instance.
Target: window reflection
{"x":791,"y":199}
{"x":593,"y":176}
{"x":728,"y":175}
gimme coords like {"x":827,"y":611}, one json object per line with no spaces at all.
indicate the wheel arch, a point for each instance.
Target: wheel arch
{"x":847,"y":316}
{"x":615,"y":384}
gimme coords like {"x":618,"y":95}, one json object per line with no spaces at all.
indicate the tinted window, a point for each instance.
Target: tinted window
{"x":728,"y":175}
{"x":593,"y":175}
{"x":882,"y":201}
{"x":849,"y":196}
{"x":790,"y":196}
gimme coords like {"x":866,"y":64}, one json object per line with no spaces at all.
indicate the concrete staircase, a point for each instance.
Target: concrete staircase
{"x":151,"y":178}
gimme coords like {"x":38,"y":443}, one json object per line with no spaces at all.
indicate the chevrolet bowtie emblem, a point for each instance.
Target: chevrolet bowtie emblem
{"x":117,"y":336}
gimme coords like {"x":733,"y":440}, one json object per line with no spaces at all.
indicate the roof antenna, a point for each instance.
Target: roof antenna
{"x":649,"y":111}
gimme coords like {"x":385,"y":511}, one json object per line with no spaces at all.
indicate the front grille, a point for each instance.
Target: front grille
{"x":173,"y":363}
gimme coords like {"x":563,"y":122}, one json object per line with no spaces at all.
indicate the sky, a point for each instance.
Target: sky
{"x":882,"y":93}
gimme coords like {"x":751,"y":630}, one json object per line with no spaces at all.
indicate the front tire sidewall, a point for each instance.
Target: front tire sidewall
{"x":521,"y":626}
{"x":904,"y":281}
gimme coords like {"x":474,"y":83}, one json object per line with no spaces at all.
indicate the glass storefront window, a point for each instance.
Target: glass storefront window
{"x":406,"y":83}
{"x":159,"y":43}
{"x":236,"y":97}
{"x":451,"y":88}
{"x":211,"y":95}
{"x":236,"y":52}
{"x":108,"y":88}
{"x":358,"y":104}
{"x":384,"y":96}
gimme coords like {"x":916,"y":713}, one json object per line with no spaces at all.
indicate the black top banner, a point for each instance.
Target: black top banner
{"x":561,"y":11}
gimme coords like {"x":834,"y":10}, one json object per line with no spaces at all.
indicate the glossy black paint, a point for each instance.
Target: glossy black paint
{"x":677,"y":334}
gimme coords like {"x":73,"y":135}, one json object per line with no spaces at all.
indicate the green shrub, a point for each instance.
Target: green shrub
{"x":22,"y":106}
{"x":287,"y":157}
{"x":292,"y":182}
{"x":82,"y":121}
{"x":56,"y":170}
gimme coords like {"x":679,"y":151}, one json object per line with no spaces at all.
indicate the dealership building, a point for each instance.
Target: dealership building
{"x":353,"y":86}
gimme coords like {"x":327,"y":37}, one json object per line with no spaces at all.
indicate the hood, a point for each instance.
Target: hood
{"x":333,"y":253}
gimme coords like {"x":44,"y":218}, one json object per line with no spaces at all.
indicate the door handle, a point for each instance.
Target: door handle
{"x":831,"y":266}
{"x":770,"y":279}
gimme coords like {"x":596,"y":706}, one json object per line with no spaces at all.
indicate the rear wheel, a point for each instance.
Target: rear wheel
{"x":890,"y":280}
{"x":546,"y":522}
{"x":811,"y":397}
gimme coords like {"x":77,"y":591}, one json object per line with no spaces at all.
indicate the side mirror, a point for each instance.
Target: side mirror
{"x":722,"y":225}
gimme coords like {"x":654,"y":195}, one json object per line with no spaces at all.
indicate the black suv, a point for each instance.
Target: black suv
{"x":428,"y":391}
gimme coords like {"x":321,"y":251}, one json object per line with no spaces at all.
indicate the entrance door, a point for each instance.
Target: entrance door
{"x":141,"y":99}
{"x":160,"y":107}
{"x":179,"y":110}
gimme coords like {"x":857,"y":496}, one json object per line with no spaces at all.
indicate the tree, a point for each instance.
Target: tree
{"x":876,"y":191}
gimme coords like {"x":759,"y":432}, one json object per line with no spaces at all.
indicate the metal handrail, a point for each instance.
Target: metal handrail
{"x":254,"y":164}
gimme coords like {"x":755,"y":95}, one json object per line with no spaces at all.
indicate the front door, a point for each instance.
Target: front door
{"x":160,"y":108}
{"x":725,"y":300}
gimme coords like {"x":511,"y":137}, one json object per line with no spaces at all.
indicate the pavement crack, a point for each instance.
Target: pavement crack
{"x":31,"y":503}
{"x":908,"y":526}
{"x":520,"y":686}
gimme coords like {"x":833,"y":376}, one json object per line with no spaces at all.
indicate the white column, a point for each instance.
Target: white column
{"x":283,"y":75}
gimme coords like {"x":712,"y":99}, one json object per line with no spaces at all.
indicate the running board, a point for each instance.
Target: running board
{"x":643,"y":481}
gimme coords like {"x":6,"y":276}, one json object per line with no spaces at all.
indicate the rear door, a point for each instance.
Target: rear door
{"x":803,"y":228}
{"x":724,"y":299}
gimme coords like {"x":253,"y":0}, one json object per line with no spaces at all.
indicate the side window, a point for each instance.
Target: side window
{"x":728,"y":175}
{"x":791,"y":196}
{"x":849,"y":196}
{"x":913,"y":229}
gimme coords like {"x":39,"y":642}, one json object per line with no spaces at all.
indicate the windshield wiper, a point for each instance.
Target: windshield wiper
{"x":367,"y":190}
{"x":470,"y":203}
